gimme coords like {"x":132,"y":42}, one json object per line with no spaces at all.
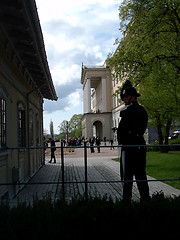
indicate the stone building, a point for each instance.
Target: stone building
{"x":97,"y":114}
{"x":25,"y":80}
{"x":102,"y":106}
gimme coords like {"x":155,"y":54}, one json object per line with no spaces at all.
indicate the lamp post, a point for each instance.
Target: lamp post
{"x":67,"y":133}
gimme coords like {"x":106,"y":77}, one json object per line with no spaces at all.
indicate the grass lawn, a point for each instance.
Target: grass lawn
{"x":164,"y":165}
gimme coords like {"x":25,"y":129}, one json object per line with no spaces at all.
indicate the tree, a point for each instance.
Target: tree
{"x":75,"y":126}
{"x":51,"y":126}
{"x":63,"y":129}
{"x":149,"y":56}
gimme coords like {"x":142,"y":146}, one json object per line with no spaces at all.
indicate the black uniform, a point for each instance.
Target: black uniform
{"x":130,"y":132}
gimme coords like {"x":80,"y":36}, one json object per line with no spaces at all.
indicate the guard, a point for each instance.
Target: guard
{"x":130,"y":133}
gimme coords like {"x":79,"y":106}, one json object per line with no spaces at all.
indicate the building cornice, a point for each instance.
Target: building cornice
{"x":20,"y":25}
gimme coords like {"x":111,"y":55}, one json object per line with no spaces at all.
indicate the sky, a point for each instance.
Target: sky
{"x":74,"y":32}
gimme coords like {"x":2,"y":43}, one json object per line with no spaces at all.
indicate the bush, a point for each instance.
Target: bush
{"x":153,"y":148}
{"x":174,"y":146}
{"x":174,"y":143}
{"x":93,"y":218}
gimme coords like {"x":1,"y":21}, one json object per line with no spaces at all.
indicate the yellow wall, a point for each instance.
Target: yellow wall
{"x":16,"y":88}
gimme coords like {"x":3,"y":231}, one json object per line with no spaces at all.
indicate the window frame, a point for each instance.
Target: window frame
{"x":3,"y":122}
{"x":31,"y":127}
{"x":21,"y":115}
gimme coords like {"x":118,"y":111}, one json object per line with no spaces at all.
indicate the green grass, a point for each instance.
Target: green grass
{"x":164,"y":165}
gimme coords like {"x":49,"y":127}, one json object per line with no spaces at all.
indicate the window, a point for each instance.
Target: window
{"x":21,"y":126}
{"x":2,"y":123}
{"x":31,"y":128}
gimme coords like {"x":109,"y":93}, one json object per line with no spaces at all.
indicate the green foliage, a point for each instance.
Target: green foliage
{"x":149,"y":56}
{"x":174,"y":141}
{"x":74,"y":127}
{"x":62,"y":130}
{"x":98,"y":218}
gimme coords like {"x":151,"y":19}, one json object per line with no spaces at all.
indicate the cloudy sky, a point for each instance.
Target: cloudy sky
{"x":75,"y":32}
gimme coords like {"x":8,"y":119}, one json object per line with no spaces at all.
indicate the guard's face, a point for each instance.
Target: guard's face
{"x":127,"y":99}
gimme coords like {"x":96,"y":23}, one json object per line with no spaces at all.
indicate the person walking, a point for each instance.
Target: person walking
{"x":130,"y":131}
{"x":98,"y":143}
{"x":111,"y":142}
{"x":53,"y":149}
{"x":104,"y":141}
{"x":91,"y":142}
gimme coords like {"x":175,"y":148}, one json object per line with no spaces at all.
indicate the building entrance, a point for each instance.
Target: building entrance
{"x":97,"y":129}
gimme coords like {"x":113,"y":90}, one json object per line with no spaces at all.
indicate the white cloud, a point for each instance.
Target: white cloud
{"x":68,"y":9}
{"x":74,"y":99}
{"x":75,"y":32}
{"x":63,"y":75}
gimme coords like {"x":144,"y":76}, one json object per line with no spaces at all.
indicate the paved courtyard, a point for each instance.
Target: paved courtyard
{"x":102,"y":174}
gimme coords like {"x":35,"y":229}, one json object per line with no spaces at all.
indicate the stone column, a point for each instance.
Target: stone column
{"x":87,"y":96}
{"x":104,"y":97}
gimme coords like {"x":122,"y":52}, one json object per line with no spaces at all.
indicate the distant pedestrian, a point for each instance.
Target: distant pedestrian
{"x":104,"y":141}
{"x":98,"y":143}
{"x":64,"y":142}
{"x":91,"y":142}
{"x":111,"y":142}
{"x":53,"y":149}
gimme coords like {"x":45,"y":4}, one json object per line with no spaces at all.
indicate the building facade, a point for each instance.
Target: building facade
{"x":117,"y":104}
{"x":25,"y":80}
{"x":102,"y":102}
{"x":97,"y":110}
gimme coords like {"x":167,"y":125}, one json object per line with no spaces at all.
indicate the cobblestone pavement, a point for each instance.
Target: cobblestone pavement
{"x":102,"y":172}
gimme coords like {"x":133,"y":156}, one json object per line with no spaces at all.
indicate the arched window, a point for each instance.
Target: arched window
{"x":21,"y":125}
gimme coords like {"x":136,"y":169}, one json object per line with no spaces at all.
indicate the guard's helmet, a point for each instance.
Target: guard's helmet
{"x":128,"y":89}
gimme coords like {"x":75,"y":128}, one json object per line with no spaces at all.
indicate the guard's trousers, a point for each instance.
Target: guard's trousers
{"x":133,"y":163}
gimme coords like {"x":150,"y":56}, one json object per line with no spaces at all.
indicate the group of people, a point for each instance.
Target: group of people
{"x":132,"y":126}
{"x":93,"y":141}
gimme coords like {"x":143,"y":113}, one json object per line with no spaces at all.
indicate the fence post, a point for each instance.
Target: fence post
{"x":62,"y":170}
{"x":85,"y":166}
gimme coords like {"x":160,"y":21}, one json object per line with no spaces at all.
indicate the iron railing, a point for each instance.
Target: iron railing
{"x":86,"y":182}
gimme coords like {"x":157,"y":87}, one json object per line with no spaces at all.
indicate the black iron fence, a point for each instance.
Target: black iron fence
{"x":62,"y":181}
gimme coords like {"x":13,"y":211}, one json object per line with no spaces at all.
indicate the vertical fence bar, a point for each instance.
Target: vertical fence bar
{"x":62,"y":170}
{"x":85,"y":166}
